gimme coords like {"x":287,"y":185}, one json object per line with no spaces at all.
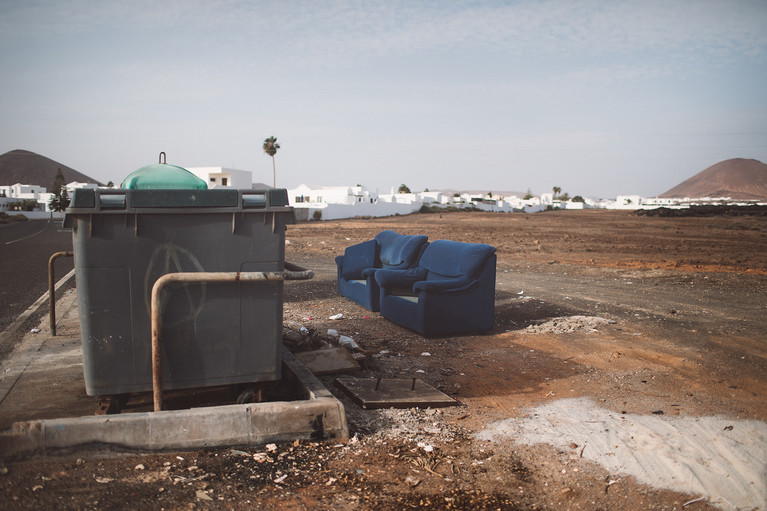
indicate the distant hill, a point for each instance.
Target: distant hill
{"x":738,"y":178}
{"x":28,"y":168}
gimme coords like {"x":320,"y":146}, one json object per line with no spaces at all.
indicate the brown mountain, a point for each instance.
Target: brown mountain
{"x":28,"y":168}
{"x":738,"y":178}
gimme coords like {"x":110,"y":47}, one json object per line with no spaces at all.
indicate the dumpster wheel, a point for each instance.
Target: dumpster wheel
{"x":111,"y":405}
{"x":250,"y":393}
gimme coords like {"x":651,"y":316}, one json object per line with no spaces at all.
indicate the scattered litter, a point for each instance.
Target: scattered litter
{"x":426,"y":447}
{"x":693,"y":501}
{"x":365,"y":317}
{"x":347,"y":342}
{"x":271,"y":447}
{"x":340,"y":315}
{"x":281,"y":478}
{"x":412,"y":481}
{"x":103,"y":480}
{"x":421,"y":371}
{"x":425,"y":354}
{"x":304,"y":330}
{"x":332,"y":332}
{"x":521,"y":293}
{"x":331,"y":481}
{"x":139,"y":467}
{"x":35,"y":330}
{"x":37,"y":487}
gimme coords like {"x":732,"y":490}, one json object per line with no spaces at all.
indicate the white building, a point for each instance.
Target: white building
{"x":217,"y":177}
{"x":335,"y":202}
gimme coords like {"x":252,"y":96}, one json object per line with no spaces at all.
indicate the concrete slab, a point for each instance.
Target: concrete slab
{"x":372,"y":393}
{"x":44,"y":408}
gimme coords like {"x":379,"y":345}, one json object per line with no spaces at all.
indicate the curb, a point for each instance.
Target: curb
{"x":319,"y":416}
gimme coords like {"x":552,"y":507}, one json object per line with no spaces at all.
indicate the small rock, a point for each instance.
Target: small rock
{"x":202,"y":495}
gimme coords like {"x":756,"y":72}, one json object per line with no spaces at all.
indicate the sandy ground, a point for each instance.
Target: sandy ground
{"x":627,"y":370}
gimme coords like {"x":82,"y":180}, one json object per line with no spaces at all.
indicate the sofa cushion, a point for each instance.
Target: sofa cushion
{"x":399,"y":250}
{"x":452,"y":259}
{"x":357,"y":258}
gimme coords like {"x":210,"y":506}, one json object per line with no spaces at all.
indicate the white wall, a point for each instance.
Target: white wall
{"x":215,"y":176}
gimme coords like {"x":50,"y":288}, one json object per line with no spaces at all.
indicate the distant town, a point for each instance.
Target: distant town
{"x":33,"y":200}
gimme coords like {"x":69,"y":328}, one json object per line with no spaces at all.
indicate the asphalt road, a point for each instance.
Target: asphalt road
{"x":25,"y":248}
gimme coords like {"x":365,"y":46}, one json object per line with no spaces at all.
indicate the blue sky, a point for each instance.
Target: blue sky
{"x":599,"y":98}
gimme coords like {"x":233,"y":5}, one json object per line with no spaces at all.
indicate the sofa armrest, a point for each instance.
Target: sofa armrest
{"x":444,"y":286}
{"x":368,"y":272}
{"x":400,"y":278}
{"x":339,"y":262}
{"x":357,"y":258}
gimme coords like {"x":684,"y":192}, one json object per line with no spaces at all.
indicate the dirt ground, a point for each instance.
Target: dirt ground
{"x":686,"y":310}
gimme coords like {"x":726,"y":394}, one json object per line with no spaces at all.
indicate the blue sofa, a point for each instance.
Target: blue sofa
{"x":360,"y":262}
{"x":451,"y":291}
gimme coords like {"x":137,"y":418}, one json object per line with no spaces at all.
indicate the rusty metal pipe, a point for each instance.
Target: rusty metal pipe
{"x":203,"y":277}
{"x":52,"y":290}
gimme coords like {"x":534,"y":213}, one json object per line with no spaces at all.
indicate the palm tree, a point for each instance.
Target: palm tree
{"x":556,"y":190}
{"x":270,"y":148}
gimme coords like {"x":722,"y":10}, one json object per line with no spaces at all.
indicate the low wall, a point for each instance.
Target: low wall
{"x":38,"y":215}
{"x":339,"y":211}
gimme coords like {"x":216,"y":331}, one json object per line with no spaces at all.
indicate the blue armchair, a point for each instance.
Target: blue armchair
{"x":358,"y":265}
{"x":451,"y":291}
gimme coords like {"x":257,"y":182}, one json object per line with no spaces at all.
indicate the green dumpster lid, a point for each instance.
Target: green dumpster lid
{"x":161,"y":176}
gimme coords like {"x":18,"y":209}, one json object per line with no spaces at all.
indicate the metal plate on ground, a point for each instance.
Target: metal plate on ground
{"x":329,"y":360}
{"x":371,"y":393}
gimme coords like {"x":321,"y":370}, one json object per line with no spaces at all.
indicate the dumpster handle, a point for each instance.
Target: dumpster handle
{"x":162,"y":157}
{"x":292,"y":272}
{"x":52,"y":291}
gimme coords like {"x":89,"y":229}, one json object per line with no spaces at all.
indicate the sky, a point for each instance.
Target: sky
{"x":598,"y":98}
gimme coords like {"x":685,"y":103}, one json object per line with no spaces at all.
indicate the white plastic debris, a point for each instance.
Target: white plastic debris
{"x":340,"y":315}
{"x":425,"y":354}
{"x":332,"y":332}
{"x":304,"y":330}
{"x":35,"y":330}
{"x":426,"y":447}
{"x":347,"y":342}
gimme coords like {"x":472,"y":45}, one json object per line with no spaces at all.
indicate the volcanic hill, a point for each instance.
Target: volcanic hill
{"x":28,"y":168}
{"x":737,"y":178}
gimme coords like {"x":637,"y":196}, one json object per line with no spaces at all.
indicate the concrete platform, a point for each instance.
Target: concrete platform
{"x":44,"y":408}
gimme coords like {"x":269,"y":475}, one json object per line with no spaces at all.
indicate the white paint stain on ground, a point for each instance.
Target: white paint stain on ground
{"x":722,"y":459}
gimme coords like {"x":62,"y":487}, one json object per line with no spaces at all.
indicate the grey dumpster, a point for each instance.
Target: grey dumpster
{"x":213,"y":333}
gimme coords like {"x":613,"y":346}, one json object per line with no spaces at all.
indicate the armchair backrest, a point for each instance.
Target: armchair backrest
{"x":399,"y":251}
{"x":453,"y":259}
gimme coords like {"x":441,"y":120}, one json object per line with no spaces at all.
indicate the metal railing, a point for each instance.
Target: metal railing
{"x":292,"y":272}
